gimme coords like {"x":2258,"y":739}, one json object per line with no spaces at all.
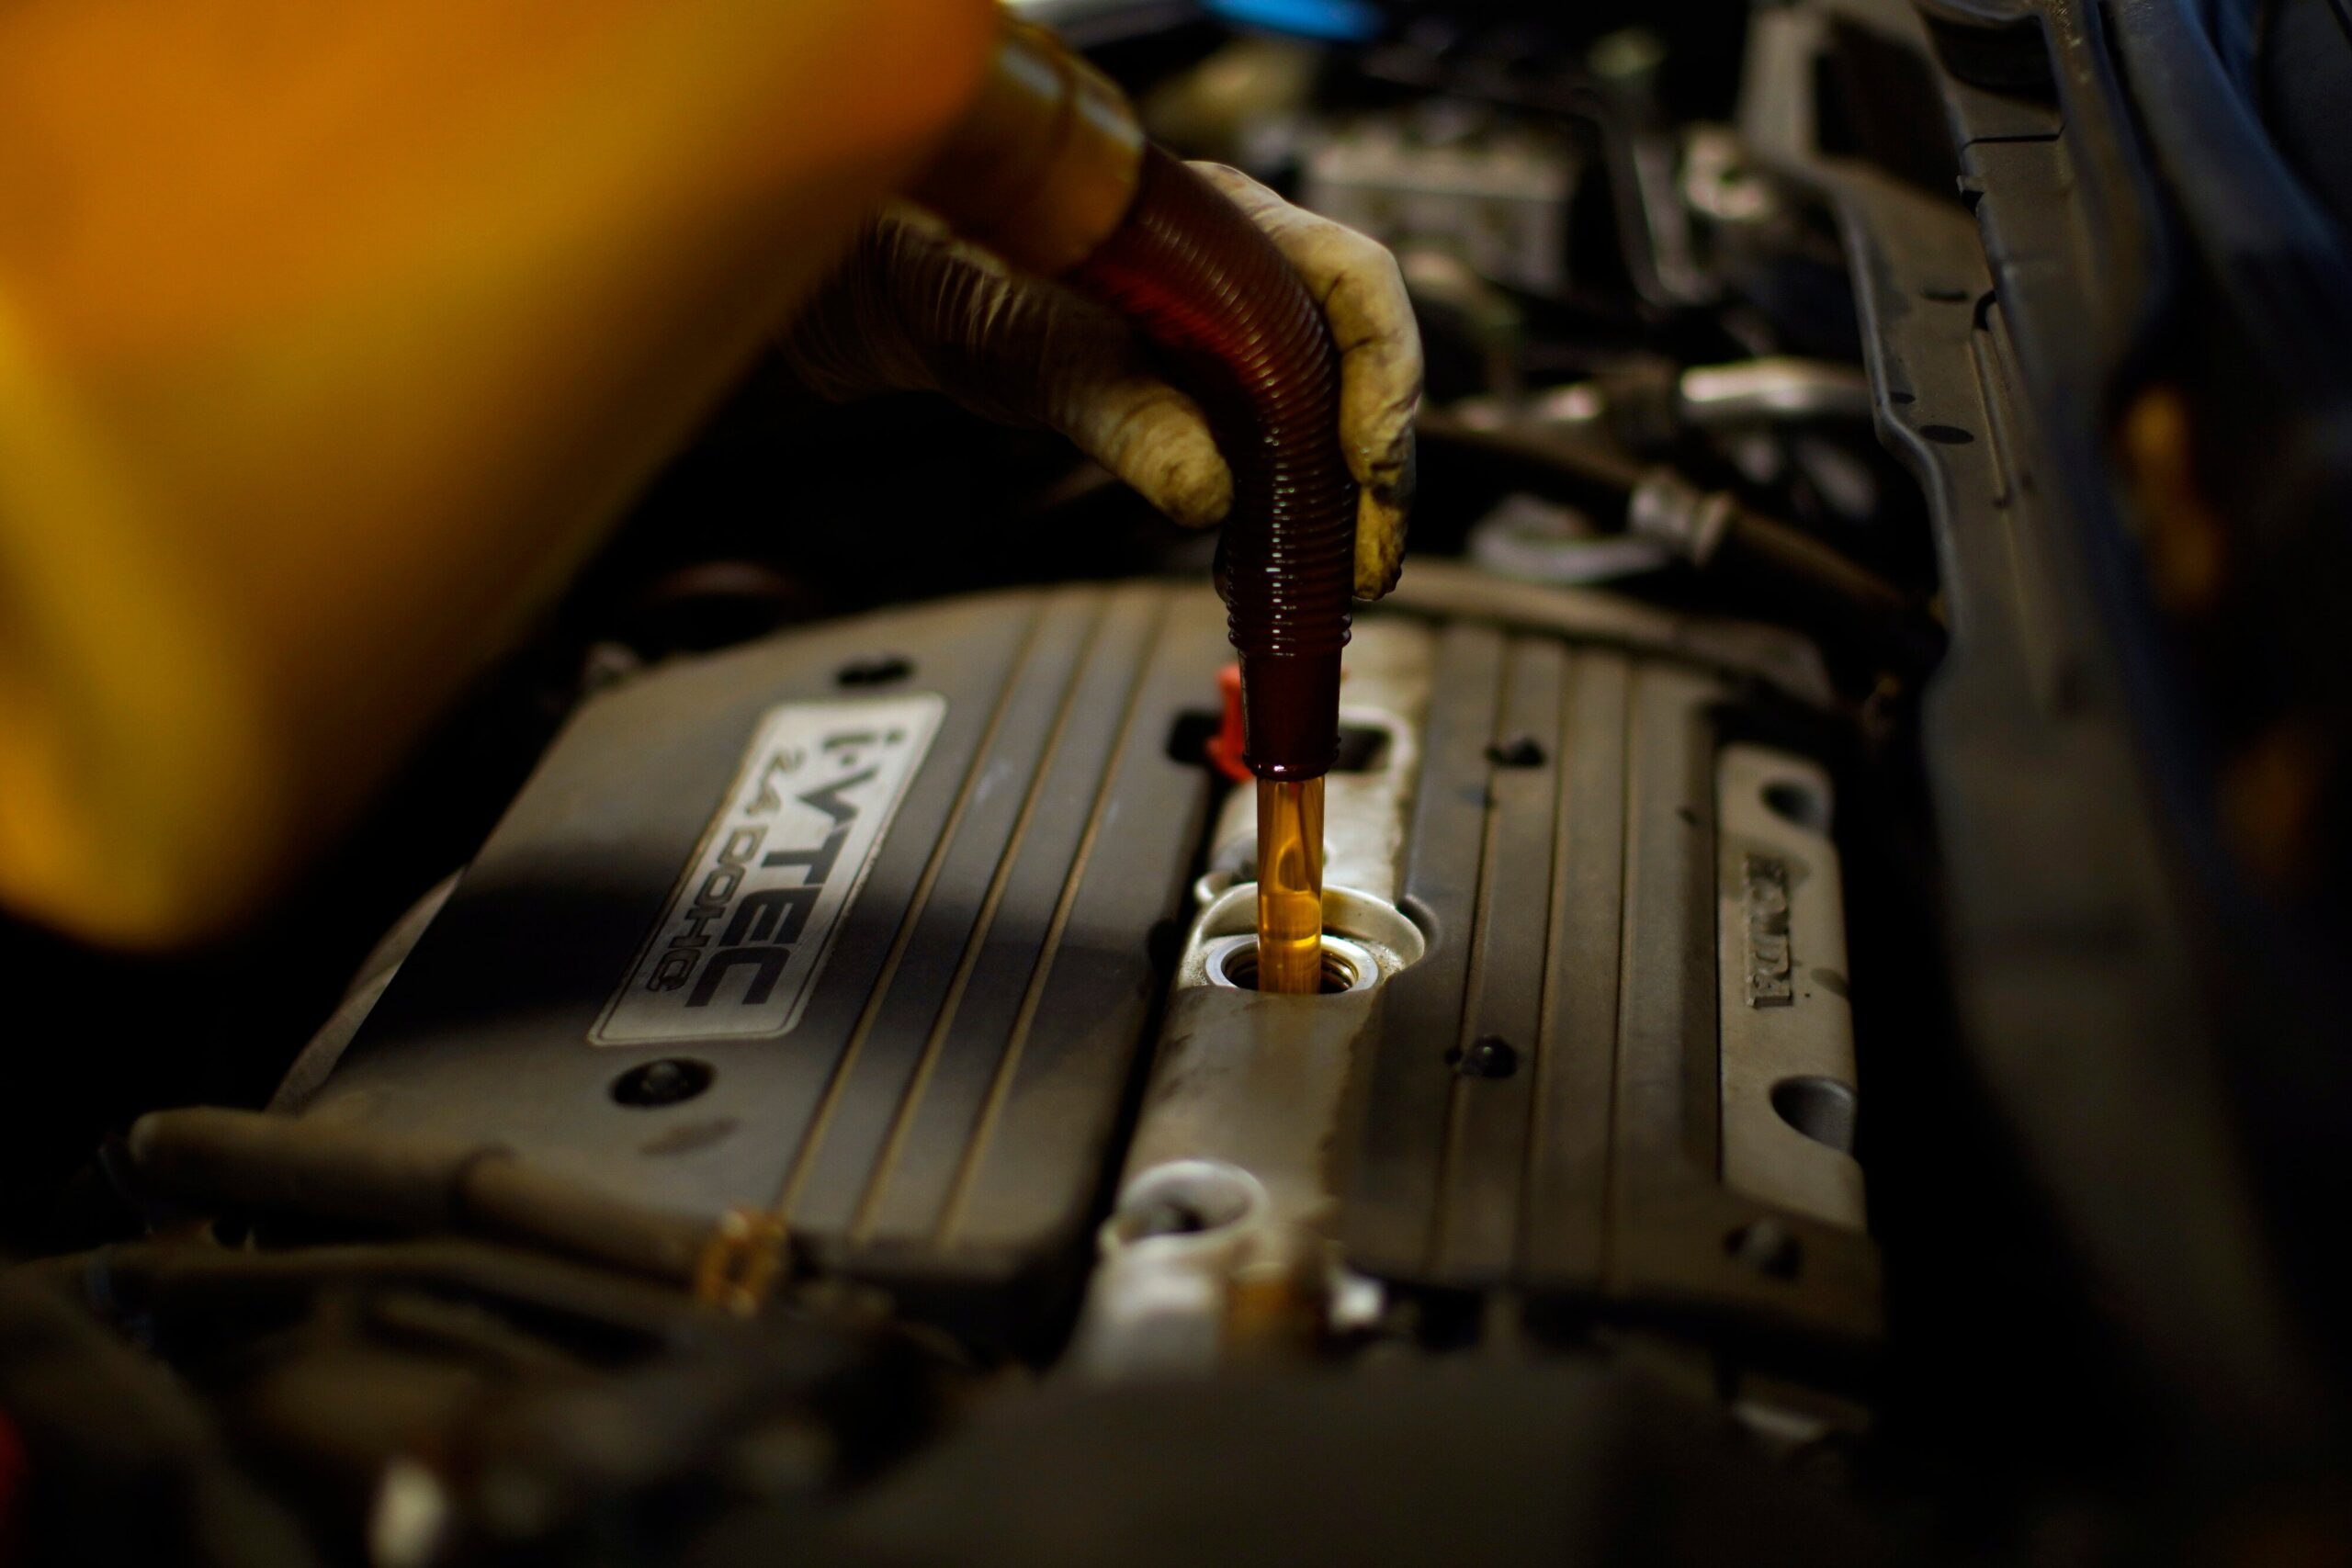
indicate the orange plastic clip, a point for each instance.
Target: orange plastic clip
{"x":1225,"y":747}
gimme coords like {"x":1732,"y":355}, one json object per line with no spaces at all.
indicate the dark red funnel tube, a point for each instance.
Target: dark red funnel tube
{"x":1201,"y":281}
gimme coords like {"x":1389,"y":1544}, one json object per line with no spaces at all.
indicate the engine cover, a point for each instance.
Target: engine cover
{"x":868,"y":926}
{"x":852,"y":924}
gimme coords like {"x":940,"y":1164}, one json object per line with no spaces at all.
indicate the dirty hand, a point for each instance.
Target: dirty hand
{"x":913,"y":309}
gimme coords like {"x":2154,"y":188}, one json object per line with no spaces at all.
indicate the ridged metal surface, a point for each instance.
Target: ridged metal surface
{"x":1563,"y":851}
{"x":944,"y":1115}
{"x":943,"y":1109}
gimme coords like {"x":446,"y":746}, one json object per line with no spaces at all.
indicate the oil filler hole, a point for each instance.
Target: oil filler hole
{"x":1346,"y":966}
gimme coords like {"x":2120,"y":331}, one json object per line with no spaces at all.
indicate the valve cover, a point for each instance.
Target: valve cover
{"x":869,"y":926}
{"x":853,"y":924}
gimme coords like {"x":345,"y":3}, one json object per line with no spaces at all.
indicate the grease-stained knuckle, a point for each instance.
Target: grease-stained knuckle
{"x":1380,"y":565}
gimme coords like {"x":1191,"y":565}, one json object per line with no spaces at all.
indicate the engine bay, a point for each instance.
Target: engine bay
{"x":1810,"y":1066}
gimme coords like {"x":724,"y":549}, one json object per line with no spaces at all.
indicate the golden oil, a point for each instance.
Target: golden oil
{"x":1290,"y":886}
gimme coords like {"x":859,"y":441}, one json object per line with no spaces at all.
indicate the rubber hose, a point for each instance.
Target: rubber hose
{"x":1206,"y":286}
{"x":208,"y":1155}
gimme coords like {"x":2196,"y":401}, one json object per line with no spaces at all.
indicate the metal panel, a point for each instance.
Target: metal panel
{"x":1087,"y":999}
{"x":943,"y":1107}
{"x":1390,"y":1207}
{"x":1575,"y":1065}
{"x":1789,"y":1098}
{"x":1542,"y":1107}
{"x":1493,"y":1056}
{"x":899,"y":1039}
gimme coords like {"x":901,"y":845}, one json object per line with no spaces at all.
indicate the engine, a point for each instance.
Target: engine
{"x":1793,"y":1079}
{"x":864,"y":931}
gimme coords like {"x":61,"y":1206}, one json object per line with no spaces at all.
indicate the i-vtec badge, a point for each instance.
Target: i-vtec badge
{"x":745,"y":934}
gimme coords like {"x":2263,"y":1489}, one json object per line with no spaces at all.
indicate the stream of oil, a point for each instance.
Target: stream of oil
{"x":1290,"y":886}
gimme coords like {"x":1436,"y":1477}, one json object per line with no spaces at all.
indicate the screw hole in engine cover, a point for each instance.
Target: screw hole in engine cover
{"x":1822,"y":1109}
{"x":670,"y":1081}
{"x":1767,"y":1247}
{"x":1798,"y":803}
{"x":886,"y":669}
{"x":1489,"y":1056}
